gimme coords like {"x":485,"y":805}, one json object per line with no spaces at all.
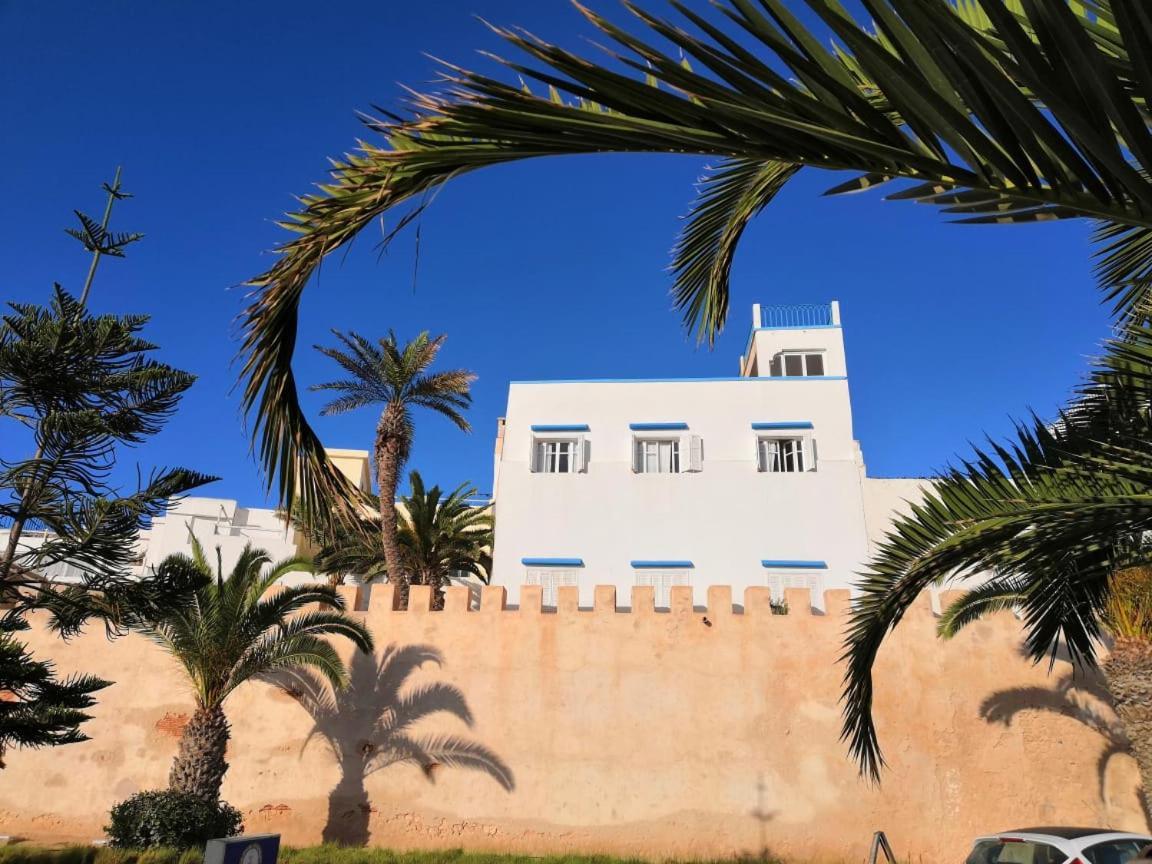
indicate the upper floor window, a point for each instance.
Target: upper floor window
{"x":797,"y":364}
{"x":663,"y":578}
{"x":783,"y":455}
{"x":670,"y":455}
{"x":551,"y":579}
{"x":556,"y":457}
{"x":659,"y":456}
{"x":560,"y":450}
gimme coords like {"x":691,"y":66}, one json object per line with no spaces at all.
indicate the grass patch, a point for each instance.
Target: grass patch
{"x":25,"y":854}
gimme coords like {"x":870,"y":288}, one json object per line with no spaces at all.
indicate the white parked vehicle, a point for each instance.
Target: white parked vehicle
{"x":1058,"y":846}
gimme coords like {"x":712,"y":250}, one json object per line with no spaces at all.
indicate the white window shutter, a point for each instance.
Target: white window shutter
{"x":809,"y":453}
{"x":637,"y":455}
{"x":533,"y":454}
{"x":578,"y":455}
{"x":695,"y":453}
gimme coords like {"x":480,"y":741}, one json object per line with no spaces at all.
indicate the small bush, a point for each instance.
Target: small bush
{"x":169,"y":818}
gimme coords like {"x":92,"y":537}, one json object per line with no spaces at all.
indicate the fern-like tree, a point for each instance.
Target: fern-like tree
{"x":241,"y":626}
{"x":79,"y":389}
{"x":440,"y":534}
{"x":397,"y":377}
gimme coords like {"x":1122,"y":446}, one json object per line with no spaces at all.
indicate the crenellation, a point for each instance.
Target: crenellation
{"x":719,"y":601}
{"x":567,"y":599}
{"x":837,"y":602}
{"x":799,"y":601}
{"x":419,"y":599}
{"x":604,"y":600}
{"x":379,"y":599}
{"x":457,"y":599}
{"x":681,"y":600}
{"x":757,"y":601}
{"x":643,"y":600}
{"x":532,"y":599}
{"x":493,"y":598}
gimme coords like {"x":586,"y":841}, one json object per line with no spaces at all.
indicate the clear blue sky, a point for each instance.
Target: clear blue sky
{"x":221,"y":111}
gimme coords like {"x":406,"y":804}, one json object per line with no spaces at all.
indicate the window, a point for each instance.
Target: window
{"x":551,"y":578}
{"x":797,"y":364}
{"x":659,"y":457}
{"x":1114,"y":851}
{"x":662,"y":579}
{"x":558,"y":455}
{"x":1014,"y":852}
{"x":783,"y":455}
{"x":668,"y":455}
{"x":781,"y":579}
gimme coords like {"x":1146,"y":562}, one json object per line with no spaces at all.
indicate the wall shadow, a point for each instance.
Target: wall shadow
{"x":1067,"y":697}
{"x":368,"y":726}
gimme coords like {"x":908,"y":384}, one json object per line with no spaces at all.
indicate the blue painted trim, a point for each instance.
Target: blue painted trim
{"x":745,"y":378}
{"x":644,"y":565}
{"x":560,"y":427}
{"x":795,"y":565}
{"x":786,"y":424}
{"x":655,"y":427}
{"x":552,"y":562}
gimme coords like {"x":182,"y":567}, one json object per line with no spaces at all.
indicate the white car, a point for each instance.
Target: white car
{"x":1057,"y":846}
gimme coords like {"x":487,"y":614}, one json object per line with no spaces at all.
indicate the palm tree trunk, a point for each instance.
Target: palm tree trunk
{"x":389,"y":447}
{"x":199,"y":765}
{"x":1128,"y":671}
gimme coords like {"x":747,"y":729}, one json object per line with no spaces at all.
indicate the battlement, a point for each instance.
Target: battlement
{"x":380,"y":599}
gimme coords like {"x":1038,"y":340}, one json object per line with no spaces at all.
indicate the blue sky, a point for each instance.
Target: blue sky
{"x":220,"y":112}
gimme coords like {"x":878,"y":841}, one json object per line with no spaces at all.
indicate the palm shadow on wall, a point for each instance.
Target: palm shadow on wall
{"x":1068,"y":696}
{"x":368,"y":726}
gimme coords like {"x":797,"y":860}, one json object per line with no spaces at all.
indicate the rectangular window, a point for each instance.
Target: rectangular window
{"x":662,"y":580}
{"x":658,"y":456}
{"x":550,"y":579}
{"x":558,"y":455}
{"x":782,"y":455}
{"x":797,"y":364}
{"x":779,"y":580}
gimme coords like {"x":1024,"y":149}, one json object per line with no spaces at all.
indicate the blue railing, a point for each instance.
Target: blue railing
{"x":797,"y":315}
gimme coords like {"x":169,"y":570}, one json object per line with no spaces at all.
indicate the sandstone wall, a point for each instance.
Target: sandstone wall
{"x":696,"y":732}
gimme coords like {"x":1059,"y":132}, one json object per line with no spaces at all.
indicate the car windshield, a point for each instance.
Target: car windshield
{"x":1114,"y":851}
{"x":1016,"y":852}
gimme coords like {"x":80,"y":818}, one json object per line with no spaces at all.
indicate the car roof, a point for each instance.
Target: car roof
{"x":1063,"y":832}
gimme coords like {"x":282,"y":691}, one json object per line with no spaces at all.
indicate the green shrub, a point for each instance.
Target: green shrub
{"x":169,"y":818}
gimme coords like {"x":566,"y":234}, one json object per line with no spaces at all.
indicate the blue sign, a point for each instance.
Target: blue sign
{"x":245,"y":849}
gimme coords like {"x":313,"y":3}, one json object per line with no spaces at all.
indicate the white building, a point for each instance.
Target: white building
{"x":744,"y":481}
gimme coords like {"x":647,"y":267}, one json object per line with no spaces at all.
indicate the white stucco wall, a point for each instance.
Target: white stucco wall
{"x":725,"y":519}
{"x":218,"y":523}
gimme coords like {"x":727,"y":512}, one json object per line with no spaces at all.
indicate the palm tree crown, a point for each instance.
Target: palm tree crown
{"x":397,"y":377}
{"x":386,"y":373}
{"x":236,"y":629}
{"x":444,"y":534}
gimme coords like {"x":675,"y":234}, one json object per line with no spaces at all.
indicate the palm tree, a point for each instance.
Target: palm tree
{"x":439,"y":534}
{"x":997,"y":111}
{"x":1059,"y":517}
{"x":386,"y":373}
{"x":368,"y":727}
{"x":444,"y":534}
{"x":238,"y":629}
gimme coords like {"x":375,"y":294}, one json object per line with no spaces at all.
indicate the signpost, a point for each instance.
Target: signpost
{"x":244,"y":849}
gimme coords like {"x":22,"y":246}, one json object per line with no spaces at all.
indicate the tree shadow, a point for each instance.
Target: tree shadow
{"x":368,"y":726}
{"x":1069,"y":696}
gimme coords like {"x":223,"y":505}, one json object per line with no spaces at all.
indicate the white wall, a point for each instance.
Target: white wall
{"x":218,"y":522}
{"x":725,"y":519}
